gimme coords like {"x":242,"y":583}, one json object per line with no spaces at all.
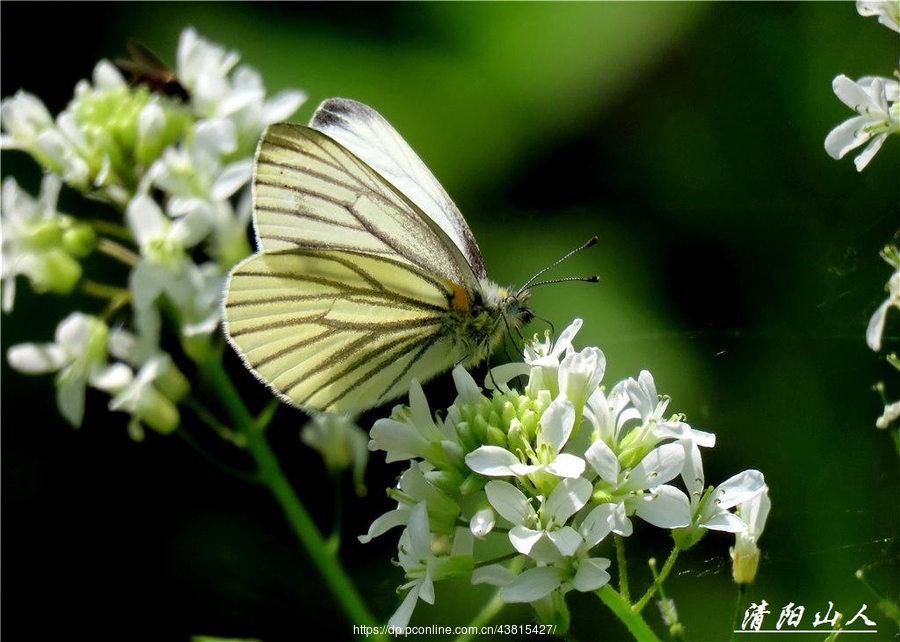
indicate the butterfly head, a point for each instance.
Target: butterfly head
{"x":494,"y":312}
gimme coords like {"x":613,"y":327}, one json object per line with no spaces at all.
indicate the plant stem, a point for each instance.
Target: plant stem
{"x":663,"y":574}
{"x":736,"y":624}
{"x":623,"y":572}
{"x":118,"y":252}
{"x":626,"y":614}
{"x":271,"y":475}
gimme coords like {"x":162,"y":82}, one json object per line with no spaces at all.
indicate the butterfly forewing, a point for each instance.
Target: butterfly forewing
{"x":366,"y":133}
{"x":310,"y":192}
{"x":338,"y":331}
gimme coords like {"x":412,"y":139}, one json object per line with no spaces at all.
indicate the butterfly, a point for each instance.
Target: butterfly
{"x":366,"y":276}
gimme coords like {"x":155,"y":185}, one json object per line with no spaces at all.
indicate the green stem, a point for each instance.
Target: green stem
{"x":667,"y":567}
{"x":111,"y":229}
{"x":891,"y":609}
{"x":623,"y":572}
{"x":118,"y":251}
{"x":271,"y":475}
{"x":101,"y":290}
{"x":738,"y":620}
{"x":627,"y":614}
{"x":670,"y":615}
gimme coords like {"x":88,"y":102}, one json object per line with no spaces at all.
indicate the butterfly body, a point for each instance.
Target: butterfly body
{"x":366,"y":277}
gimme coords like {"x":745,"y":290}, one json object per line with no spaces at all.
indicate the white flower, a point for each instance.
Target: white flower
{"x":580,"y":374}
{"x":875,"y":100}
{"x":341,"y":442}
{"x":146,"y":402}
{"x":166,"y":269}
{"x":642,"y":490}
{"x":876,"y":323}
{"x":218,"y":92}
{"x":541,"y":534}
{"x":888,"y":12}
{"x":411,"y":432}
{"x":556,"y":425}
{"x":24,"y":118}
{"x":739,"y":489}
{"x":891,"y":414}
{"x":566,"y":568}
{"x":39,"y":242}
{"x":203,"y":68}
{"x":546,"y":353}
{"x":78,"y":355}
{"x":745,"y":554}
{"x":412,"y":489}
{"x":195,"y":170}
{"x":423,"y":567}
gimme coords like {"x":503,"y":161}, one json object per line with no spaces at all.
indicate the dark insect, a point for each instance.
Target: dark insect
{"x":145,"y":68}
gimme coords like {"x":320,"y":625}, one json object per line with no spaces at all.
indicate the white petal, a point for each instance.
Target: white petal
{"x":107,"y":78}
{"x":384,"y":523}
{"x":566,"y":539}
{"x":465,"y":385}
{"x":619,"y":522}
{"x":658,"y":466}
{"x":232,"y":178}
{"x":591,"y":574}
{"x":113,"y":379}
{"x":32,"y":358}
{"x":509,"y":502}
{"x":524,"y":539}
{"x":569,"y":496}
{"x":739,"y":488}
{"x":566,"y":465}
{"x":755,"y":511}
{"x":597,"y":525}
{"x":74,"y":332}
{"x":604,"y":461}
{"x":492,"y":461}
{"x":401,"y":616}
{"x":869,"y":152}
{"x":665,"y":507}
{"x":282,"y":106}
{"x":849,"y":135}
{"x":493,"y":574}
{"x":725,"y":522}
{"x":556,"y":423}
{"x":419,"y":532}
{"x":531,"y":585}
{"x":852,"y":94}
{"x":146,"y":220}
{"x":564,"y":342}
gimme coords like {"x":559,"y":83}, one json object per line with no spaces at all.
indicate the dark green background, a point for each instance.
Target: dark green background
{"x":738,"y":263}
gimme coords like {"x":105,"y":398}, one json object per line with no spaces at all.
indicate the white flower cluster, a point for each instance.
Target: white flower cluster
{"x":876,"y":100}
{"x":517,"y":489}
{"x":875,"y":331}
{"x":177,"y":167}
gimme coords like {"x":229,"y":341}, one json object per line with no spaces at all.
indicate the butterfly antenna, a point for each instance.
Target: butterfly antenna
{"x":532,"y":282}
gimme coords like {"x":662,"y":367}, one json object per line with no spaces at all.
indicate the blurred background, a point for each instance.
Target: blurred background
{"x":738,"y":263}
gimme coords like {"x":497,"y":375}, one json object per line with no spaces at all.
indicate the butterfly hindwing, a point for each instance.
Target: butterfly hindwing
{"x":337,"y":330}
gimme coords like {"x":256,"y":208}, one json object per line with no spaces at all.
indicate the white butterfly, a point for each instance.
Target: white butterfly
{"x":366,"y":277}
